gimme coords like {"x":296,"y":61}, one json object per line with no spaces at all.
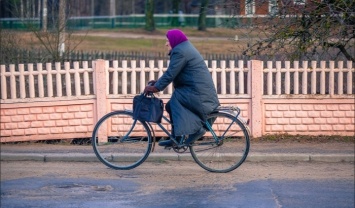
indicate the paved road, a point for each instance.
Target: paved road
{"x":176,"y":184}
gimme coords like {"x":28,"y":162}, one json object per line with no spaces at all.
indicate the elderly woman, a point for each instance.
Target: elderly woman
{"x":194,"y":95}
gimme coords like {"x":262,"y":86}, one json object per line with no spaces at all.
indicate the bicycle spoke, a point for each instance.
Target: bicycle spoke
{"x":225,"y":148}
{"x":118,"y":147}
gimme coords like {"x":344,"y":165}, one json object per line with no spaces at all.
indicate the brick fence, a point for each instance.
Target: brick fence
{"x":65,"y":103}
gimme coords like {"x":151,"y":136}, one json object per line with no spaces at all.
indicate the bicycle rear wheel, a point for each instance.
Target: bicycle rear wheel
{"x":225,"y":152}
{"x":120,"y":142}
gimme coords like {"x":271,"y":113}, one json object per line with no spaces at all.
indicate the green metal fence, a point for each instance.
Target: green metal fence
{"x":133,"y":21}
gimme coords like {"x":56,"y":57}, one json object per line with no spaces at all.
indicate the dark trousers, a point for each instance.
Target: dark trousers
{"x":168,"y":109}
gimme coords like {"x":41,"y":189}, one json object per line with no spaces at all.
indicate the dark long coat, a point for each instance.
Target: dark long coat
{"x":194,"y":96}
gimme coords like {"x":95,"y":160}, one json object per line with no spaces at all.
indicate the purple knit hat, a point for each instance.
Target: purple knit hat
{"x":175,"y":37}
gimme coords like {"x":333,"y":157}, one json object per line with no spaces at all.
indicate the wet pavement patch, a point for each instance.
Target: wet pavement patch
{"x":57,"y":192}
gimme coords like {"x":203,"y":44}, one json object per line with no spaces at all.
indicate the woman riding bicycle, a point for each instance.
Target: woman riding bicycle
{"x":194,"y":95}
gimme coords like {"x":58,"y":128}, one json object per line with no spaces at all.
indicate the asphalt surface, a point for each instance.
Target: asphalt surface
{"x":276,"y":174}
{"x":259,"y":152}
{"x":108,"y":193}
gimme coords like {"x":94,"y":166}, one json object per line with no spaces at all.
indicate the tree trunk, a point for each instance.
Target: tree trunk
{"x":61,"y":27}
{"x":202,"y":16}
{"x":149,"y":15}
{"x":44,"y":16}
{"x":175,"y":11}
{"x":112,"y":12}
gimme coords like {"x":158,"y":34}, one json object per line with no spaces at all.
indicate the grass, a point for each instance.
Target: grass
{"x":189,"y":31}
{"x":286,"y":138}
{"x":155,"y":41}
{"x":153,"y":45}
{"x":112,"y":44}
{"x":160,"y":161}
{"x":152,"y":41}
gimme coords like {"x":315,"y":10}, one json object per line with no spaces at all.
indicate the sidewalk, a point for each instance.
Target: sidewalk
{"x":259,"y":152}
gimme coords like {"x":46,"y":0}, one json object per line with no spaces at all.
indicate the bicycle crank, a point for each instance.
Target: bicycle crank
{"x":179,"y":149}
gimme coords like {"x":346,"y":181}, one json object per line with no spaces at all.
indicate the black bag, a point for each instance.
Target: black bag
{"x":147,"y":108}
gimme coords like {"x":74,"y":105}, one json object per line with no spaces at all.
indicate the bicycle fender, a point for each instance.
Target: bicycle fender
{"x":234,"y":111}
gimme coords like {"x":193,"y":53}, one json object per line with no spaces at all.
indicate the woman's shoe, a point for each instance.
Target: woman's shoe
{"x":169,"y":142}
{"x":195,"y":136}
{"x":166,"y":143}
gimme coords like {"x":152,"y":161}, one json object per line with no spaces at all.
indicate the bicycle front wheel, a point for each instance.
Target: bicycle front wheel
{"x":120,"y":142}
{"x":227,"y":149}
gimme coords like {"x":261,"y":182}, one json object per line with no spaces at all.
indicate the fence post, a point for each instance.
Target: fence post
{"x":100,"y":86}
{"x":256,"y":69}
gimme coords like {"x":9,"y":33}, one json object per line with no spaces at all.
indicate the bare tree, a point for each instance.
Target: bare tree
{"x":305,"y":30}
{"x":55,"y":39}
{"x":9,"y":42}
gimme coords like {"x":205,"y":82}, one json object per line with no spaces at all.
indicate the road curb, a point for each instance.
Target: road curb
{"x":332,"y":158}
{"x":153,"y":157}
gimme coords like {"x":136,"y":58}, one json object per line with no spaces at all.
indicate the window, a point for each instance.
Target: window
{"x":299,"y":2}
{"x":249,"y":7}
{"x":273,"y":7}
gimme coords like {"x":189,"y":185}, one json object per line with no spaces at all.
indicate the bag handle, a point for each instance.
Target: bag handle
{"x":149,"y":94}
{"x":142,"y":95}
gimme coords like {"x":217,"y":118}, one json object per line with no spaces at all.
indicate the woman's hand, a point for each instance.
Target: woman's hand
{"x":150,"y":89}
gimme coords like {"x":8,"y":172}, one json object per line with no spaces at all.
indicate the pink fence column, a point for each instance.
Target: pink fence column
{"x":256,"y":97}
{"x":100,"y":86}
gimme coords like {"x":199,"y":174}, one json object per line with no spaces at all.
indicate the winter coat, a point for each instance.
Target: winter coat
{"x":194,"y":95}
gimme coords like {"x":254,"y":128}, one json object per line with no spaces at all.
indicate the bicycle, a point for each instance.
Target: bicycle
{"x":122,"y":143}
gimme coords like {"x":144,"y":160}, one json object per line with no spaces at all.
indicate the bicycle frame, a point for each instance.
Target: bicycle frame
{"x":165,"y":130}
{"x":207,"y":124}
{"x":209,"y":151}
{"x":234,"y":111}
